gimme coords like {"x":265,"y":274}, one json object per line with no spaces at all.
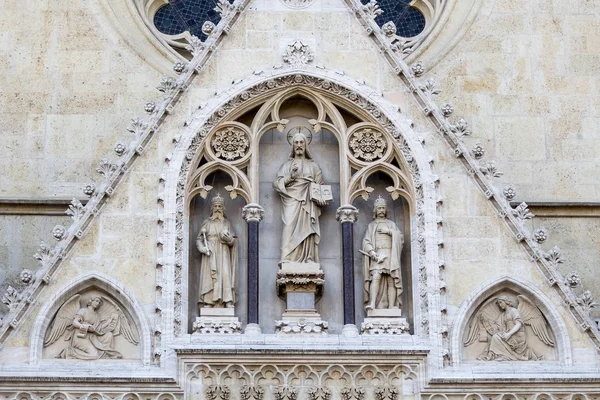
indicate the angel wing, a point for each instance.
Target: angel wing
{"x":484,"y":319}
{"x":111,"y":313}
{"x":532,"y":316}
{"x":63,"y":319}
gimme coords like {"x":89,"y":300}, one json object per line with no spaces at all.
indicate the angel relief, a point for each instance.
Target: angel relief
{"x":90,"y":328}
{"x":507,"y":332}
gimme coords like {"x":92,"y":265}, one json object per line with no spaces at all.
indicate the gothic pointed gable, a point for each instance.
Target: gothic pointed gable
{"x":462,"y":227}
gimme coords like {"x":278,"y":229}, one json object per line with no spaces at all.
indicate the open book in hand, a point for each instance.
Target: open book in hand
{"x":321,"y":193}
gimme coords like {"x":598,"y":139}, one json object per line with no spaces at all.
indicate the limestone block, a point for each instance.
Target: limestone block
{"x":479,"y":84}
{"x":509,"y":135}
{"x":75,"y":35}
{"x":506,"y":105}
{"x":299,"y":21}
{"x":64,"y":132}
{"x":367,"y":69}
{"x":332,"y":22}
{"x":477,"y":227}
{"x":332,"y":41}
{"x":82,"y":103}
{"x":230,"y":68}
{"x":124,"y":236}
{"x":473,"y":249}
{"x":238,"y":39}
{"x":17,"y":101}
{"x":259,"y":40}
{"x":264,"y":21}
{"x":143,"y":194}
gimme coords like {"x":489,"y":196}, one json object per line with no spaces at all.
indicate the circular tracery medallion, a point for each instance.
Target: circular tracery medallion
{"x":230,"y":143}
{"x":368,"y":144}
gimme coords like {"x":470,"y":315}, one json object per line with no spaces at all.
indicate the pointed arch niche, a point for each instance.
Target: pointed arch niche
{"x":136,"y":341}
{"x":544,"y":339}
{"x":236,"y":145}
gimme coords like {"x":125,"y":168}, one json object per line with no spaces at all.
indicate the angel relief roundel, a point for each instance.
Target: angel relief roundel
{"x":509,"y":326}
{"x":91,"y":325}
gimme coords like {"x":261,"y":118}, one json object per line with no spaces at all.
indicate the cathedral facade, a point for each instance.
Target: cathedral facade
{"x":300,"y":200}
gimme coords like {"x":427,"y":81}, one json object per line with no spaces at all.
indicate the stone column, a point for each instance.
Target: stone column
{"x":347,"y":215}
{"x":253,"y":214}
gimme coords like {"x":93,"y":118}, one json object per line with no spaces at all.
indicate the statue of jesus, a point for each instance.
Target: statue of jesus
{"x":300,"y":214}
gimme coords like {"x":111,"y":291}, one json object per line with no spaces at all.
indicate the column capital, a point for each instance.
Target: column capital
{"x":253,"y":212}
{"x":347,"y":213}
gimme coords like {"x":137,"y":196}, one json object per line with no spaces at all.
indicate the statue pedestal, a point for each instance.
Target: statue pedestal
{"x":300,"y":285}
{"x":384,"y":321}
{"x":216,"y":321}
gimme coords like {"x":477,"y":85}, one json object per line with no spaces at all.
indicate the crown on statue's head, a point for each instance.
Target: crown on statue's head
{"x":380,"y":201}
{"x":218,"y":199}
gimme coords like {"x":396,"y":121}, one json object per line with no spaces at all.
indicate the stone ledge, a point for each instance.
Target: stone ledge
{"x":564,"y":209}
{"x":35,"y":206}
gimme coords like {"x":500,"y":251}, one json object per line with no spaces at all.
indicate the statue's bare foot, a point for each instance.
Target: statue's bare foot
{"x":369,"y":307}
{"x":229,"y":305}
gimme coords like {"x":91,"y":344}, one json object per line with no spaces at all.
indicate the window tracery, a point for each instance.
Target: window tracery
{"x":409,"y":20}
{"x":178,"y":16}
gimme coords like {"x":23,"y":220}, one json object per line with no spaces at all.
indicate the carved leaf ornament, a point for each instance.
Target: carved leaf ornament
{"x":368,"y":144}
{"x":230,"y":143}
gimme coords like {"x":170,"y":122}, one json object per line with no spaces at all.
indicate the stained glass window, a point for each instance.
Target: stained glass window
{"x":409,"y":21}
{"x":186,"y":15}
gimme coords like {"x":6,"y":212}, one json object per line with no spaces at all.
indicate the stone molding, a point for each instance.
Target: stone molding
{"x":562,"y":337}
{"x":423,"y":92}
{"x":35,"y":206}
{"x":95,"y":395}
{"x":94,"y":280}
{"x":562,"y":209}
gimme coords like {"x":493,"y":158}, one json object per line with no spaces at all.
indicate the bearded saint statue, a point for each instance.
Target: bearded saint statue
{"x":300,"y":214}
{"x":218,"y":268}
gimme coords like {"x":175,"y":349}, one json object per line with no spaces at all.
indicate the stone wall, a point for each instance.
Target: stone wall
{"x":524,"y":76}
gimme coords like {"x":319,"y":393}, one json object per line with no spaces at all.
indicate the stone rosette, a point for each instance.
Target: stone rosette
{"x":368,"y":144}
{"x":230,"y":143}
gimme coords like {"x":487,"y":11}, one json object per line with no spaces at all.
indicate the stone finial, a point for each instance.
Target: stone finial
{"x":253,"y":212}
{"x":298,"y":54}
{"x":347,"y":213}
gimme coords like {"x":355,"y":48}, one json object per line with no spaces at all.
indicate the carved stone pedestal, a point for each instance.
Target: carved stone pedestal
{"x":300,"y":285}
{"x":216,"y":321}
{"x":384,"y":322}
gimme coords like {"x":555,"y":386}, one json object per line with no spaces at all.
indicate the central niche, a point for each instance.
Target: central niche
{"x":301,"y":156}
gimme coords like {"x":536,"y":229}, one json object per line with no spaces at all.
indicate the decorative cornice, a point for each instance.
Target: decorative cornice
{"x":563,"y":209}
{"x":35,"y":206}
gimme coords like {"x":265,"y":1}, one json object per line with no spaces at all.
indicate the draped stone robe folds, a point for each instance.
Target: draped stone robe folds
{"x":301,"y":233}
{"x":94,"y":344}
{"x":217,"y":271}
{"x":513,"y":349}
{"x":391,"y":247}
